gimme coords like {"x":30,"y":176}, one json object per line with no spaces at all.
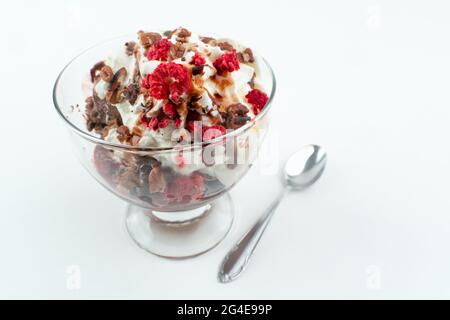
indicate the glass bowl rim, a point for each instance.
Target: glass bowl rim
{"x":97,"y":140}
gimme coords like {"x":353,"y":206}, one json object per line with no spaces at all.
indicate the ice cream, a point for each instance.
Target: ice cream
{"x":170,"y":89}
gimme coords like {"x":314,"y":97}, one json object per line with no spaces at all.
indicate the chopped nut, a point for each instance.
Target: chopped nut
{"x":236,"y":116}
{"x":137,"y":131}
{"x":147,"y":39}
{"x":225,"y":46}
{"x":156,"y":180}
{"x":123,"y":134}
{"x":208,"y":40}
{"x":183,"y":33}
{"x":106,"y":73}
{"x":246,"y":56}
{"x":176,"y":51}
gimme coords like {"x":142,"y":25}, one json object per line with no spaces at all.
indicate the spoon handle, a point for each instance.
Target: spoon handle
{"x":238,"y":257}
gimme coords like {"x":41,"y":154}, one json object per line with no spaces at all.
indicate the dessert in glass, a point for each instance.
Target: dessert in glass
{"x":170,"y":123}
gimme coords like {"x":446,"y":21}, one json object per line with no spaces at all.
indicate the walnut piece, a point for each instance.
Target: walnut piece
{"x":156,"y":180}
{"x":246,"y":56}
{"x":147,"y":39}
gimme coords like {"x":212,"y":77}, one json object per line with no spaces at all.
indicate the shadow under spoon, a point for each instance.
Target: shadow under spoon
{"x":302,"y":169}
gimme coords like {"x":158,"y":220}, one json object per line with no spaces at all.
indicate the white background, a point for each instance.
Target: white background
{"x":368,"y":80}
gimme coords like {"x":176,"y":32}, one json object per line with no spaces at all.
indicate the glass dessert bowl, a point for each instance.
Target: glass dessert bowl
{"x":170,"y":124}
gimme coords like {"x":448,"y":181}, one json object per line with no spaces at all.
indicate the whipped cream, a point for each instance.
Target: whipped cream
{"x":154,"y":120}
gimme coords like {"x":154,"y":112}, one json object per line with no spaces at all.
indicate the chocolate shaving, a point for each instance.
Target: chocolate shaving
{"x":115,"y":92}
{"x":95,"y":69}
{"x":251,"y":83}
{"x":106,"y":73}
{"x":197,"y":70}
{"x":100,"y":114}
{"x":169,"y":33}
{"x":236,"y":116}
{"x":132,"y":92}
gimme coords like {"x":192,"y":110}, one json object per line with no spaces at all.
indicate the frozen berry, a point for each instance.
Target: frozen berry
{"x":257,"y":99}
{"x":160,"y":50}
{"x":228,"y":62}
{"x":169,"y":110}
{"x":198,"y":60}
{"x":169,"y":81}
{"x":163,"y":123}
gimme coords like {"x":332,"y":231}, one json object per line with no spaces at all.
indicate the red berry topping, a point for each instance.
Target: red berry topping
{"x":159,"y":50}
{"x":163,"y":123}
{"x":198,"y":60}
{"x":228,"y":62}
{"x":257,"y":99}
{"x":169,"y":110}
{"x":213,"y":132}
{"x":186,"y":188}
{"x":152,"y":123}
{"x":169,"y":81}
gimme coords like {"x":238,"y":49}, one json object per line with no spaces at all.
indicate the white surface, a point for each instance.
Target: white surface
{"x":369,"y":80}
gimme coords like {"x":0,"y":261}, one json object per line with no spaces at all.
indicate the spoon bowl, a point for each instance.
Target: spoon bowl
{"x":305,"y":166}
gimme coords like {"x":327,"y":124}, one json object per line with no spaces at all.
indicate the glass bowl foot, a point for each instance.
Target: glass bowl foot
{"x":181,"y":234}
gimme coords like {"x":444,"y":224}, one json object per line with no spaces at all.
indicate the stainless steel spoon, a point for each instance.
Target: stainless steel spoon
{"x":302,"y":169}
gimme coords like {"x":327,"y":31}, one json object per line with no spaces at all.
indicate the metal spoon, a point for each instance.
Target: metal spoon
{"x":302,"y":169}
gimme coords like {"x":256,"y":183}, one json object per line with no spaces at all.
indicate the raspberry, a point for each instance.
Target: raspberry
{"x":198,"y":60}
{"x":186,"y":188}
{"x":159,"y":50}
{"x":213,"y":132}
{"x":163,"y":123}
{"x":169,"y":110}
{"x":150,"y":123}
{"x":228,"y":62}
{"x":169,"y":81}
{"x":257,"y":99}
